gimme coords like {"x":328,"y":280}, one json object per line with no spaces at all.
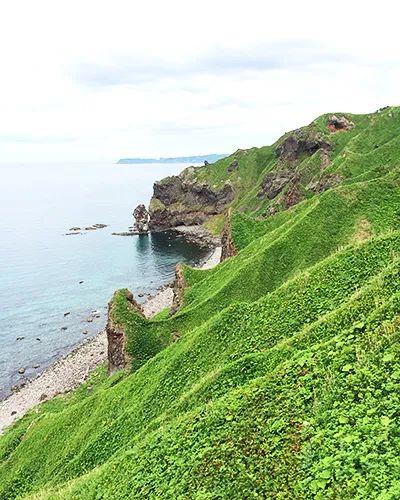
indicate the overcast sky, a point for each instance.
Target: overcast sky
{"x":100,"y":80}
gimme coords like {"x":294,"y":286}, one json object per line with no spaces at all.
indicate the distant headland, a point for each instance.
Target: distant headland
{"x":179,"y":159}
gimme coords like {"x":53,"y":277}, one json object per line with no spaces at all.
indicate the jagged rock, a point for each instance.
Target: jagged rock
{"x":141,"y":215}
{"x":272,"y":210}
{"x":43,"y":397}
{"x":21,"y":370}
{"x":198,"y":235}
{"x":36,"y":365}
{"x":179,"y":287}
{"x":228,"y":248}
{"x":90,"y":319}
{"x":325,"y":183}
{"x":99,"y":226}
{"x":179,"y":201}
{"x":381,"y":109}
{"x":234,"y":165}
{"x":20,"y":338}
{"x":118,"y":358}
{"x":292,"y":195}
{"x":274,"y":182}
{"x":290,"y":147}
{"x":85,"y":332}
{"x":74,"y":228}
{"x":335,"y":123}
{"x":125,"y":233}
{"x":90,"y":229}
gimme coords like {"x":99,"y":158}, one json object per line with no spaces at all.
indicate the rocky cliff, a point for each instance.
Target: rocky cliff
{"x":118,"y":356}
{"x":260,"y":181}
{"x":182,"y":201}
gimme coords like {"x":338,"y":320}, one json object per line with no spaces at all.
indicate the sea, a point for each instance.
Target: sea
{"x":45,"y":273}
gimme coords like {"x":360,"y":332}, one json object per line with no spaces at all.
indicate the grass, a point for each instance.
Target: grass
{"x":278,"y":378}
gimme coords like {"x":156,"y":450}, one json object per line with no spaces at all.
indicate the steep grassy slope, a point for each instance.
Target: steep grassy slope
{"x":278,"y":378}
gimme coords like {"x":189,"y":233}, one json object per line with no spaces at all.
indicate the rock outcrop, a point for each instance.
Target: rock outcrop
{"x":118,"y":357}
{"x":234,"y":165}
{"x":288,"y":176}
{"x":339,"y":123}
{"x":325,"y":183}
{"x":228,"y":248}
{"x":274,"y":182}
{"x":179,"y":288}
{"x":293,"y":145}
{"x":199,"y":236}
{"x":180,"y":201}
{"x":141,"y":225}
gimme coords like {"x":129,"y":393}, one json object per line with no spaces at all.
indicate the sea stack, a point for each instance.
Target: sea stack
{"x":141,"y":215}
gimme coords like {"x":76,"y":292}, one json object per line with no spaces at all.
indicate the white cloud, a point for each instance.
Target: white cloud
{"x":83,"y":81}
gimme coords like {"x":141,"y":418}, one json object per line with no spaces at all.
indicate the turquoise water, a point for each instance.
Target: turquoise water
{"x":41,"y":267}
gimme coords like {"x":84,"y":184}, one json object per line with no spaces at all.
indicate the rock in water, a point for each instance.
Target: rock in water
{"x":141,"y":215}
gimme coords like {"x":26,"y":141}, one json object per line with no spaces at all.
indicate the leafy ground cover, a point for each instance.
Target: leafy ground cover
{"x":278,"y":378}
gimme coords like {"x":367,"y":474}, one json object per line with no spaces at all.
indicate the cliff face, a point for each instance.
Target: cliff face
{"x":180,"y":201}
{"x":118,"y":356}
{"x":261,"y":181}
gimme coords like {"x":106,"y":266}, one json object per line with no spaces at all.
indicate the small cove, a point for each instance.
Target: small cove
{"x":41,"y":268}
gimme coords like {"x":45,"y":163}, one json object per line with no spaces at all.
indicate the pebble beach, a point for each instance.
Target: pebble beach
{"x":71,"y":370}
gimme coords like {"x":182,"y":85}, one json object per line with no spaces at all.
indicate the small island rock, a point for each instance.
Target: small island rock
{"x":141,"y":215}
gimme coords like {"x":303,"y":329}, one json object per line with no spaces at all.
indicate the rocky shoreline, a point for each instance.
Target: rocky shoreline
{"x":163,"y":299}
{"x":71,"y":370}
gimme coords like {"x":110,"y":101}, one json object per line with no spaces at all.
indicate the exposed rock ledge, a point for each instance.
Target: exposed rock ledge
{"x":182,"y":201}
{"x":118,"y":358}
{"x":199,"y":236}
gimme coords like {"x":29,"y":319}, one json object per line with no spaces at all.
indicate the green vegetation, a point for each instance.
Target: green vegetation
{"x":278,"y":378}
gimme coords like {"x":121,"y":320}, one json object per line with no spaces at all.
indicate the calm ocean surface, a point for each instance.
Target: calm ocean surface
{"x":40,"y":267}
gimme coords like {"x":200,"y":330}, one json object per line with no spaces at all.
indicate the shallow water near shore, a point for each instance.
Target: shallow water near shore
{"x":41,"y":267}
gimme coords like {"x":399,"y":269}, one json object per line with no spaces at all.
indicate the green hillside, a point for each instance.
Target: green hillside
{"x":278,"y":378}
